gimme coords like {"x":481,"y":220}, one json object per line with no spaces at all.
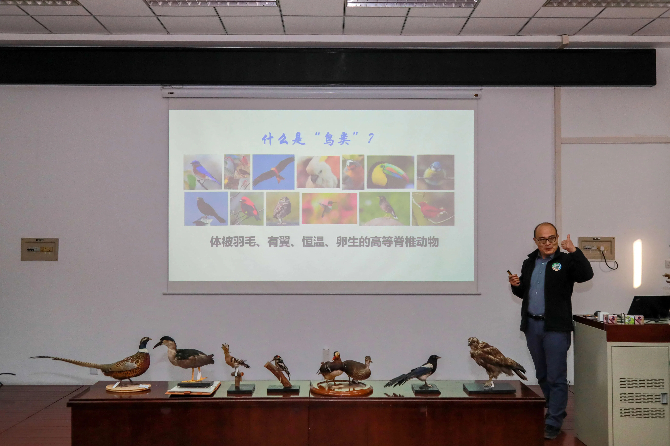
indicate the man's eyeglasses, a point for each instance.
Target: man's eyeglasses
{"x":544,"y":241}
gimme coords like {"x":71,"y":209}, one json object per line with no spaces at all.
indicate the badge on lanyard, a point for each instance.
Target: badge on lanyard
{"x":556,"y":266}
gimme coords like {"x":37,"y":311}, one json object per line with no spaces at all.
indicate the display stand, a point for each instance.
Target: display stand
{"x":277,"y":388}
{"x":422,"y":389}
{"x":477,"y":388}
{"x":341,"y":388}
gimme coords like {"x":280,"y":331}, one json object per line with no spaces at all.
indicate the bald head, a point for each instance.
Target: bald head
{"x":543,"y":225}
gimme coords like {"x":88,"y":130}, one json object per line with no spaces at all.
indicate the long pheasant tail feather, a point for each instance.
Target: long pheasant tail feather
{"x":72,"y":361}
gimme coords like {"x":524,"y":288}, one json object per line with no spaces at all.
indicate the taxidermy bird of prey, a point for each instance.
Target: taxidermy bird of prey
{"x":208,"y":211}
{"x":282,"y":209}
{"x":494,"y":362}
{"x":386,"y":206}
{"x":387,"y":176}
{"x":320,"y":174}
{"x":274,"y":172}
{"x":130,"y":367}
{"x":201,"y":173}
{"x":186,"y":358}
{"x":13,"y":374}
{"x":354,"y":176}
{"x":422,"y":373}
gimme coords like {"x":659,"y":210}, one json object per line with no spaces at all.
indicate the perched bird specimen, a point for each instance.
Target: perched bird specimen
{"x":201,"y":173}
{"x":186,"y":358}
{"x":327,"y":207}
{"x":233,"y":361}
{"x":282,"y":209}
{"x":435,"y":176}
{"x":357,"y":371}
{"x":13,"y":374}
{"x":386,"y":207}
{"x":354,"y":176}
{"x":422,"y":373}
{"x":279,"y":363}
{"x":387,"y":176}
{"x":274,"y":172}
{"x":130,"y":367}
{"x":248,"y":207}
{"x":331,"y":369}
{"x":320,"y":174}
{"x":494,"y":362}
{"x":208,"y":211}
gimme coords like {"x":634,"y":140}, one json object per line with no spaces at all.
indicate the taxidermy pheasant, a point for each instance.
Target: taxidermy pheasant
{"x":357,"y":371}
{"x":494,"y":362}
{"x":233,"y":361}
{"x":130,"y":367}
{"x":332,"y":369}
{"x":186,"y":358}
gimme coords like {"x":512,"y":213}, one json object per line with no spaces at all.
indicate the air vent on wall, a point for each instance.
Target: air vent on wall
{"x":641,"y":383}
{"x":640,"y":398}
{"x":641,"y":412}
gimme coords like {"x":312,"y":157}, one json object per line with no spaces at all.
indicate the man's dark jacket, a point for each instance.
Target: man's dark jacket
{"x":562,"y":272}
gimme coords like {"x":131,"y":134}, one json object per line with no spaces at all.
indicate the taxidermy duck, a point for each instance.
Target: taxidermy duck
{"x":332,"y":369}
{"x":357,"y":371}
{"x":186,"y":358}
{"x":130,"y":367}
{"x":233,"y":361}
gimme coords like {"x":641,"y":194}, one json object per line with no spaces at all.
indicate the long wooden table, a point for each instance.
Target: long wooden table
{"x":386,"y":417}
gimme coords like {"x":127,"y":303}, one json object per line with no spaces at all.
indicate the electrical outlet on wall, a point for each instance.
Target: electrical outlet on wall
{"x":594,"y":248}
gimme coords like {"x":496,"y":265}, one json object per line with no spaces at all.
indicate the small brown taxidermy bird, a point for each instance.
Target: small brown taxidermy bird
{"x":186,"y":358}
{"x":357,"y":371}
{"x":279,"y":363}
{"x":494,"y":362}
{"x":332,"y":369}
{"x":130,"y":367}
{"x":233,"y":361}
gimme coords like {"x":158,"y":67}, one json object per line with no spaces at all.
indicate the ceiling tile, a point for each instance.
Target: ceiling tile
{"x":440,"y":12}
{"x":20,"y":25}
{"x":11,"y":10}
{"x":193,"y":25}
{"x":493,"y":26}
{"x":568,"y":11}
{"x":313,"y":25}
{"x":373,"y":25}
{"x":72,"y":24}
{"x":659,"y":27}
{"x":129,"y":8}
{"x":439,"y":26}
{"x":613,"y":27}
{"x":247,"y":11}
{"x":507,"y":8}
{"x":132,"y":25}
{"x":55,"y":10}
{"x":552,"y":27}
{"x":625,"y":13}
{"x":253,"y":25}
{"x":376,"y":12}
{"x":184,"y":11}
{"x":316,"y":8}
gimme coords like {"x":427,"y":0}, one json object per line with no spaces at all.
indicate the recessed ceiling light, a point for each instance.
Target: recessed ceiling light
{"x":217,"y":3}
{"x":413,"y":3}
{"x":610,"y":4}
{"x":39,"y":3}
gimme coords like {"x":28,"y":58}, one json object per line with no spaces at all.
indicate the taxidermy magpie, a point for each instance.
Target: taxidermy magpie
{"x":421,"y":373}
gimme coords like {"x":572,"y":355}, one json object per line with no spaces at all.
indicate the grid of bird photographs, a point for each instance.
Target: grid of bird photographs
{"x":365,"y":190}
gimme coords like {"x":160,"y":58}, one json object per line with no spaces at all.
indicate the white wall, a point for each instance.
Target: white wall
{"x":619,"y":190}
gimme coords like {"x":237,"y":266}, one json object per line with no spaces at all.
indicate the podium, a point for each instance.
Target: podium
{"x":622,"y":379}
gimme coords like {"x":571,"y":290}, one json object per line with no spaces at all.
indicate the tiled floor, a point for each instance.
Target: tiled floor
{"x":37,"y":416}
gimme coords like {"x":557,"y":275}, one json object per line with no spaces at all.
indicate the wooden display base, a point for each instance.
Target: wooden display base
{"x":479,"y":389}
{"x":243,"y":389}
{"x":421,"y":389}
{"x":131,"y":388}
{"x":341,"y":388}
{"x":277,"y":388}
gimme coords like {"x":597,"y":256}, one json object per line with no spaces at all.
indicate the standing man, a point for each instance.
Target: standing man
{"x":547,"y":278}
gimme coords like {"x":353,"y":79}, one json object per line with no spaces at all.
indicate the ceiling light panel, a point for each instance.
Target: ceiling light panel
{"x":610,"y":4}
{"x":412,"y":3}
{"x":215,"y":3}
{"x":40,"y":2}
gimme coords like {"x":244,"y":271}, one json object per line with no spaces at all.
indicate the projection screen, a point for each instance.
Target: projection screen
{"x":322,"y":196}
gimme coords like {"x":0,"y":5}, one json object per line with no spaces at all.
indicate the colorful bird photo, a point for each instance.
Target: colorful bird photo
{"x":202,"y":172}
{"x":384,"y":208}
{"x":435,"y":172}
{"x":433,"y":209}
{"x":390,"y":172}
{"x":283,"y":209}
{"x":319,"y":172}
{"x":205,"y":208}
{"x":247,"y":209}
{"x":329,"y":209}
{"x":353,"y":172}
{"x":237,"y":172}
{"x":273,"y":172}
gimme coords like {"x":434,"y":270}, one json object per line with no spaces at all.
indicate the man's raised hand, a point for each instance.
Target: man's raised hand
{"x":568,"y":245}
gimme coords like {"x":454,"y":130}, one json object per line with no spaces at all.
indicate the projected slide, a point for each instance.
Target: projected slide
{"x":355,"y":196}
